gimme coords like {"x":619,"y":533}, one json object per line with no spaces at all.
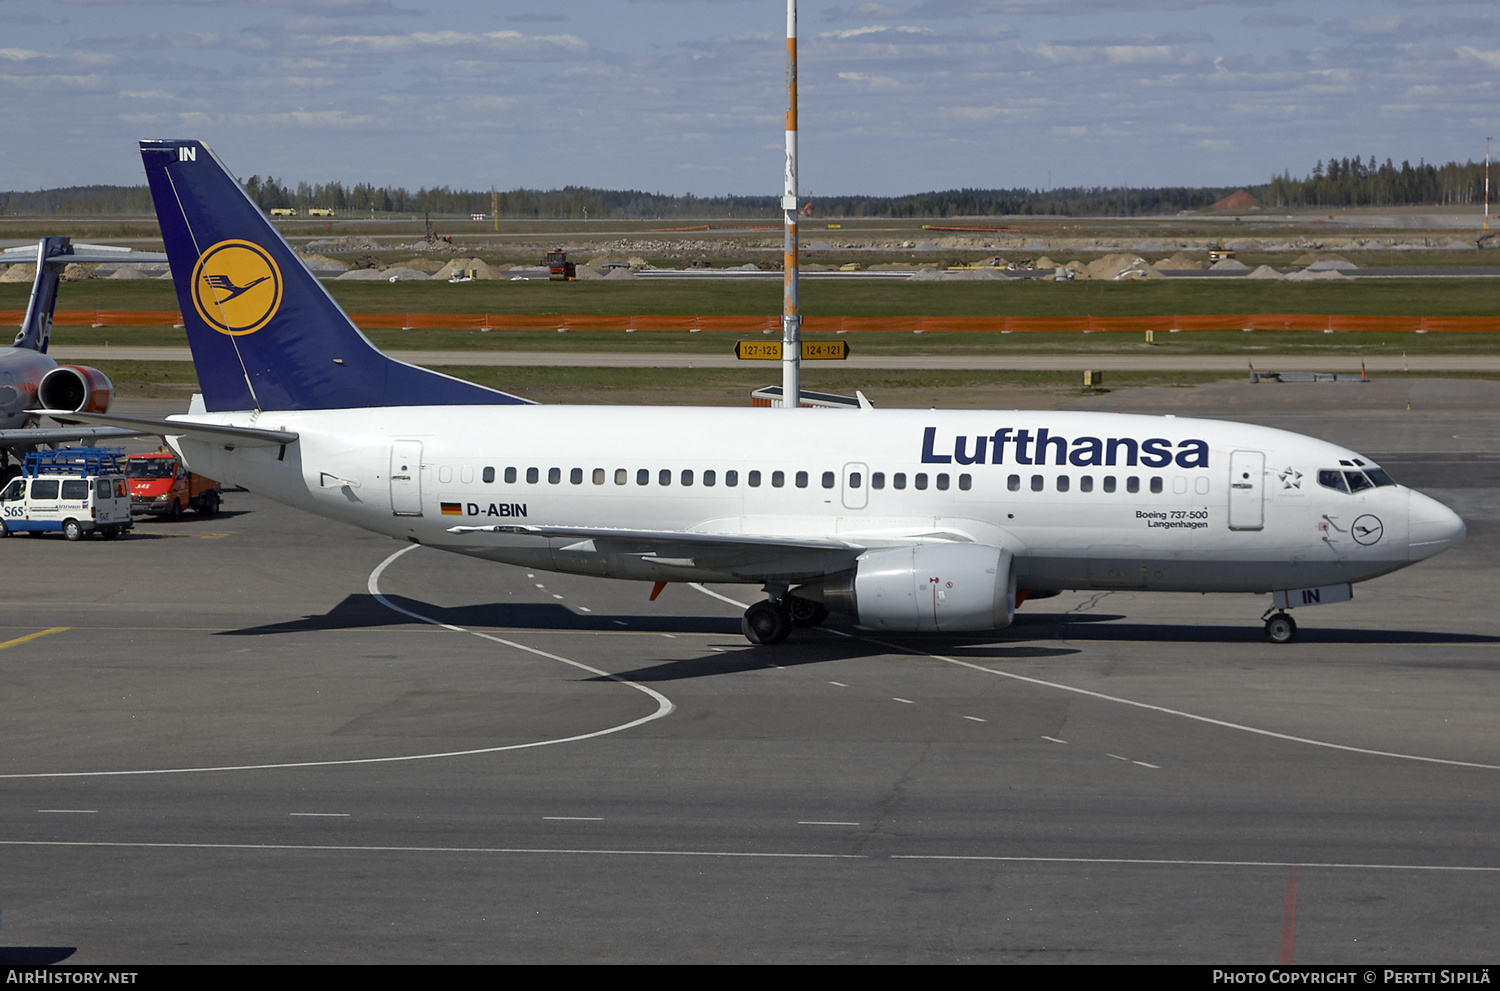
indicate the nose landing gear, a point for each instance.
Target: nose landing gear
{"x":1280,"y":627}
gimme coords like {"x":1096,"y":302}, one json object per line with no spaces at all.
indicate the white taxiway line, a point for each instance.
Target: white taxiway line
{"x":1140,"y":705}
{"x":664,"y":707}
{"x":738,"y":854}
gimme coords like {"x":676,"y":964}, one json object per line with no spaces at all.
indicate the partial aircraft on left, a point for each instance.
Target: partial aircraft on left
{"x":30,"y":380}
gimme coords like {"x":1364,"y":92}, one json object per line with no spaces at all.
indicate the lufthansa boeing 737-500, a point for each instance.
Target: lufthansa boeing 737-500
{"x":915,"y":520}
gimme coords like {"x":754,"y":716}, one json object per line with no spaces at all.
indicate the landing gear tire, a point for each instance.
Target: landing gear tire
{"x":1281,"y":628}
{"x":766,"y":623}
{"x":806,"y":613}
{"x":73,"y":530}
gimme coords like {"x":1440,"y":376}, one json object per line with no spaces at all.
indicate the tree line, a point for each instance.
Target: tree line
{"x":1338,"y":182}
{"x":1354,"y":182}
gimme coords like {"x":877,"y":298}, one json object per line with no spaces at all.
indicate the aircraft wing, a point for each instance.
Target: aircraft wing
{"x":757,"y":557}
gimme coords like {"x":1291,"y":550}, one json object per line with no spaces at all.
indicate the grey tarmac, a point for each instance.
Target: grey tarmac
{"x":225,"y":741}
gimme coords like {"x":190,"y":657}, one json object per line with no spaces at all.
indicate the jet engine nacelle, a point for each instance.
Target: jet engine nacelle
{"x":927,"y":588}
{"x":75,"y":389}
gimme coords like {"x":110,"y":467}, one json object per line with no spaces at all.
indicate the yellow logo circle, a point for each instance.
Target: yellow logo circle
{"x":236,"y":287}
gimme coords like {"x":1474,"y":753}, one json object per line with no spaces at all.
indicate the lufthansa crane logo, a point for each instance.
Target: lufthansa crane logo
{"x":1368,"y":529}
{"x":236,"y":287}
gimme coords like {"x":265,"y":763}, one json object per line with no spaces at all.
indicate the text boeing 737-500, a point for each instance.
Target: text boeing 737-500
{"x":913,"y":521}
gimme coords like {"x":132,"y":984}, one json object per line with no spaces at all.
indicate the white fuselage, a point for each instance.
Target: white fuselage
{"x":1137,"y":502}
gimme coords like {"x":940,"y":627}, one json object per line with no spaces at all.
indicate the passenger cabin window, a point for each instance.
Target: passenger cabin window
{"x":1062,"y":483}
{"x":828,"y":479}
{"x":731,"y":478}
{"x":898,"y":480}
{"x":1013,"y":483}
{"x":855,"y":480}
{"x":622,"y":476}
{"x":599,"y":476}
{"x":919,"y":481}
{"x":554,"y":475}
{"x":687,"y":476}
{"x":1037,"y":482}
{"x":710,"y":476}
{"x":643,"y":476}
{"x":1132,"y":484}
{"x":755,"y":479}
{"x":877,"y":480}
{"x":1156,"y":484}
{"x":942,"y":481}
{"x":801,"y":479}
{"x":778,"y":479}
{"x":966,"y":481}
{"x":489,"y":474}
{"x":664,"y":477}
{"x":1109,"y":483}
{"x":1085,"y":483}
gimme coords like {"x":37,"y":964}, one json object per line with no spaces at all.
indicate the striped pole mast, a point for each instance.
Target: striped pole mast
{"x":791,"y":318}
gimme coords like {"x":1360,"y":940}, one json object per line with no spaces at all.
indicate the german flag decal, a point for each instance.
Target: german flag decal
{"x":453,"y":508}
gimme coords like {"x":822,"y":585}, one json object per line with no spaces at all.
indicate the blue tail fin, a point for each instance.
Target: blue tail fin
{"x":264,"y":333}
{"x":36,"y":329}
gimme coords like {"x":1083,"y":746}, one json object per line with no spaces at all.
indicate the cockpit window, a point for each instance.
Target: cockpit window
{"x":1332,"y":480}
{"x":1379,"y":477}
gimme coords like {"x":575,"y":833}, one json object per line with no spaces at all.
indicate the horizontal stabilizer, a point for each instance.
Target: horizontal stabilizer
{"x":219,"y":432}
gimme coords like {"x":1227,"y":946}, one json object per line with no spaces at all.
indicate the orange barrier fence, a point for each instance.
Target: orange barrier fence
{"x":831,"y":325}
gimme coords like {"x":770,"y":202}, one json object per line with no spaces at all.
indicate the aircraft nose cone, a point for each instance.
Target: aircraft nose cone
{"x":1433,"y":527}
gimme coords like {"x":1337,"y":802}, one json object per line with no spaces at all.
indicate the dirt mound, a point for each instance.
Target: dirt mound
{"x":478,"y":266}
{"x":1179,"y":262}
{"x":1119,"y":266}
{"x":1302,"y":261}
{"x":75,"y":272}
{"x":19,"y":273}
{"x":1238,"y":200}
{"x":1265,"y":272}
{"x":1306,"y":276}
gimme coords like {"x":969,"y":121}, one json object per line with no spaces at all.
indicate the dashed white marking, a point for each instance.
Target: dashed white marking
{"x":907,"y":701}
{"x":556,"y":596}
{"x":669,"y":636}
{"x":664,"y":707}
{"x":72,"y":812}
{"x":320,"y":815}
{"x":574,"y":818}
{"x":445,"y":851}
{"x":1053,"y":739}
{"x":977,"y":719}
{"x":839,"y":684}
{"x":1117,"y":757}
{"x":1222,"y":723}
{"x":584,"y":609}
{"x":620,"y":622}
{"x":1142,"y":763}
{"x":823,"y":822}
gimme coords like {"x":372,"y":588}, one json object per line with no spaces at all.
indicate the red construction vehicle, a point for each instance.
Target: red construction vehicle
{"x":161,"y":486}
{"x":559,"y":269}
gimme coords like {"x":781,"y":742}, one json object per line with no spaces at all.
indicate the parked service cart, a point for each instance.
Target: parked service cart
{"x":161,"y":486}
{"x":74,"y":491}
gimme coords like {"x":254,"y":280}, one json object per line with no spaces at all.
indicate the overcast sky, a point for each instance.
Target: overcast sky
{"x":688,"y":95}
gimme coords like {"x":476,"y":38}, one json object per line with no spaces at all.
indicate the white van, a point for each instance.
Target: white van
{"x":75,"y":491}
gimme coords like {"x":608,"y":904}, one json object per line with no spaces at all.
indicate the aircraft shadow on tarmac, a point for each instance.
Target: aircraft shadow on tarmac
{"x":34,"y":956}
{"x":363,"y":611}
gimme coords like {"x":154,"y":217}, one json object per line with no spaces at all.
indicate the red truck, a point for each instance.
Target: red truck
{"x":161,"y":486}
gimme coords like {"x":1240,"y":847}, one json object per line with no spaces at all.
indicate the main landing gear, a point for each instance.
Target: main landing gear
{"x":771,"y":620}
{"x":1280,"y":626}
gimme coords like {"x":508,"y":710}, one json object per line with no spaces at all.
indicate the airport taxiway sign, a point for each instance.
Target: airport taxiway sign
{"x":811,"y":350}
